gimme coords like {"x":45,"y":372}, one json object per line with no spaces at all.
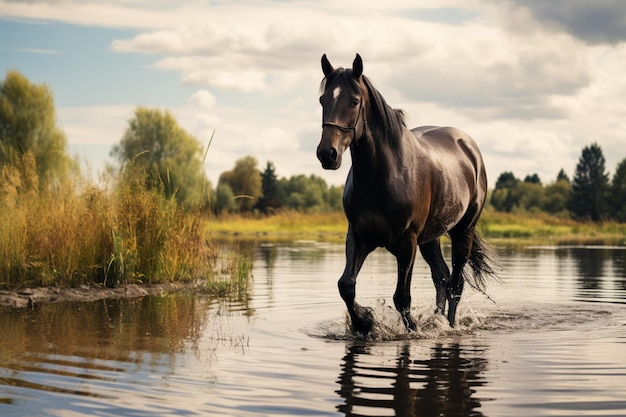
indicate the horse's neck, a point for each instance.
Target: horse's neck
{"x":373,"y":158}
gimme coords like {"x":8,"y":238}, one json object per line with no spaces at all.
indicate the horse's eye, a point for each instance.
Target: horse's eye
{"x":356,"y":102}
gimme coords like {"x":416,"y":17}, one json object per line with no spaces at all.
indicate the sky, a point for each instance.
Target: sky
{"x":532,"y":81}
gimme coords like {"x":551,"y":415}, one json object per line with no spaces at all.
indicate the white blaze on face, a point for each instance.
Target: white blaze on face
{"x":336,"y":93}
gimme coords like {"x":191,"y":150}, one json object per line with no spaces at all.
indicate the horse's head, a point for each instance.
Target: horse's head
{"x":342,"y":111}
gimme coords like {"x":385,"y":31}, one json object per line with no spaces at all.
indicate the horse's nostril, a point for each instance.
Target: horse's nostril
{"x":333,"y":154}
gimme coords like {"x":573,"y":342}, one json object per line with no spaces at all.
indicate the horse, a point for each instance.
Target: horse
{"x":405,"y":189}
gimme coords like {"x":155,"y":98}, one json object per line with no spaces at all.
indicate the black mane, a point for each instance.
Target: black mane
{"x":391,"y":121}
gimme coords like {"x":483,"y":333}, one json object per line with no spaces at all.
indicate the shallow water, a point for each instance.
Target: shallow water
{"x":550,"y":339}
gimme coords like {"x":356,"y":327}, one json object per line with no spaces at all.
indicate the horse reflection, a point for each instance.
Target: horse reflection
{"x":442,"y":384}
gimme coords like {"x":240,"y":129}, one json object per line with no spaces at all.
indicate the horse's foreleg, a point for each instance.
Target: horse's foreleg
{"x":431,"y":252}
{"x":405,"y":255}
{"x":356,"y":252}
{"x":461,"y":248}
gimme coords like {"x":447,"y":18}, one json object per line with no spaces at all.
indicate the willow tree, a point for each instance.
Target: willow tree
{"x":172,"y":157}
{"x":245,"y":182}
{"x":28,"y":130}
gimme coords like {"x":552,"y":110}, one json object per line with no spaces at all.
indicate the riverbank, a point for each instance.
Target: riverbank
{"x":522,"y":228}
{"x":29,"y":297}
{"x":232,"y":272}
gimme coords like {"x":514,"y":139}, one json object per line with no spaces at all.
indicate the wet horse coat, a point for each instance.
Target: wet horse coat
{"x":405,"y":189}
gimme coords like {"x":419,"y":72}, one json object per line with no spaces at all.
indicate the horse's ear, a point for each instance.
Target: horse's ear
{"x":357,"y":66}
{"x":327,"y":68}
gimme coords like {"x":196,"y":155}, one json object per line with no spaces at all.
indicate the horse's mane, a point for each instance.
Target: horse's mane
{"x":391,"y":122}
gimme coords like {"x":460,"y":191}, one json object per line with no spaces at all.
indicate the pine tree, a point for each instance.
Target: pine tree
{"x":269,"y":182}
{"x":618,"y":193}
{"x":590,"y":185}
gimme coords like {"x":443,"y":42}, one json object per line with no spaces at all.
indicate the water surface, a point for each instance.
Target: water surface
{"x":550,"y":339}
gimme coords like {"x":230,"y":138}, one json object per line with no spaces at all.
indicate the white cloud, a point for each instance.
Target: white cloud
{"x":532,"y":88}
{"x":203,"y":99}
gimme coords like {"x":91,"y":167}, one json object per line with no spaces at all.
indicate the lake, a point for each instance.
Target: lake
{"x":549,"y":340}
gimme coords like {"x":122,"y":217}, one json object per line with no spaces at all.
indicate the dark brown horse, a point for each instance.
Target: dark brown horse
{"x":406,"y":188}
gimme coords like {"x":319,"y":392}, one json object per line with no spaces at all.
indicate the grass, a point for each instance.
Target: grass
{"x":550,"y":229}
{"x":496,"y":226}
{"x":286,"y":225}
{"x":80,"y":234}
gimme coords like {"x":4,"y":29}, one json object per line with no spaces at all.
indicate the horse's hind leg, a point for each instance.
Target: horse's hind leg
{"x":405,"y":256}
{"x":356,"y":252}
{"x":431,"y":252}
{"x":461,"y":248}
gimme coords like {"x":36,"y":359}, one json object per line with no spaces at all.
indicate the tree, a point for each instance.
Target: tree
{"x":532,"y":179}
{"x":245,"y":182}
{"x":506,"y":180}
{"x":335,"y":197}
{"x":307,"y":193}
{"x":225,"y":199}
{"x":529,"y":196}
{"x":562,"y":176}
{"x":503,"y":197}
{"x":590,"y":185}
{"x":269,"y":184}
{"x":28,"y":125}
{"x":618,"y":193}
{"x":155,"y":142}
{"x":557,"y":195}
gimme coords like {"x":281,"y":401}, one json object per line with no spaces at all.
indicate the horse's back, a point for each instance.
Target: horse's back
{"x":449,"y":140}
{"x":442,"y":134}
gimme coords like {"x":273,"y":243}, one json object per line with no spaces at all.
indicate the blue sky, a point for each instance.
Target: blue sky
{"x":532,"y":81}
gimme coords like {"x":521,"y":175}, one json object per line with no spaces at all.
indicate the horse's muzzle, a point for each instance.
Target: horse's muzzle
{"x":329,"y":157}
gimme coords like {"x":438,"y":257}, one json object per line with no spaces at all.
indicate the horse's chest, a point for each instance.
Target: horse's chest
{"x":376,"y":224}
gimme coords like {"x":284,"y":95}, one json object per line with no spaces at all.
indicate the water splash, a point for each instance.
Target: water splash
{"x":430,"y":326}
{"x":389,"y":326}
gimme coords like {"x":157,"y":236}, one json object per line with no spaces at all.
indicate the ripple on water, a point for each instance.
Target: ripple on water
{"x":389,"y":326}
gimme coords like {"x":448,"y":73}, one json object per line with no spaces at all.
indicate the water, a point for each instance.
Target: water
{"x":549,"y":341}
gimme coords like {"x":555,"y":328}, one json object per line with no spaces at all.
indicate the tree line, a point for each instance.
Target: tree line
{"x":590,"y":195}
{"x":33,"y":157}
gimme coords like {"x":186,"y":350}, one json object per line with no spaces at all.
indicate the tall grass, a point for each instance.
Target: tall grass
{"x":75,"y":234}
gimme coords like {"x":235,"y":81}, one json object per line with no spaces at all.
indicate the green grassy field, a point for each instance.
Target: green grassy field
{"x":497,"y":226}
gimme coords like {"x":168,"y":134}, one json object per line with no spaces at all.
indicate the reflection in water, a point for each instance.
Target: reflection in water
{"x":552,"y":346}
{"x":87,"y":349}
{"x":599,"y":271}
{"x":441,"y":384}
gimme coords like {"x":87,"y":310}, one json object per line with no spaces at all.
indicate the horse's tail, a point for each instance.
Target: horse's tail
{"x":482,"y":262}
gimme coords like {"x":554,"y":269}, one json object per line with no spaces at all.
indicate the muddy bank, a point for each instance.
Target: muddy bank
{"x":28,"y":297}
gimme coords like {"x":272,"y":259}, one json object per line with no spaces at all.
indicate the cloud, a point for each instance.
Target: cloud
{"x":203,"y":99}
{"x":594,"y":22}
{"x":32,"y":51}
{"x":534,"y":82}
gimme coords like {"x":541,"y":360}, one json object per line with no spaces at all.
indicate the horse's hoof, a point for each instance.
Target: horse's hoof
{"x":409,"y":323}
{"x":362,"y":320}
